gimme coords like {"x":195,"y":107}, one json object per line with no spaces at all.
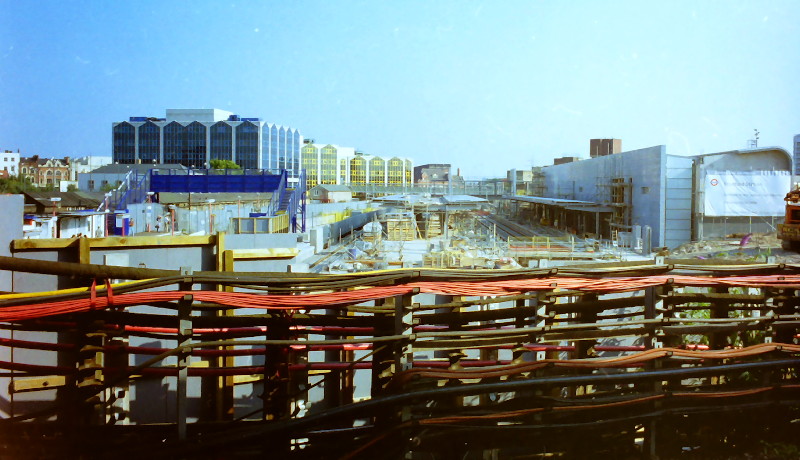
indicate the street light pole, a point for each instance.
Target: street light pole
{"x":55,"y":201}
{"x":172,"y":219}
{"x":210,"y":201}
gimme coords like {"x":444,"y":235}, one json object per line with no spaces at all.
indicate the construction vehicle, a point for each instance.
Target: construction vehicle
{"x":789,"y":230}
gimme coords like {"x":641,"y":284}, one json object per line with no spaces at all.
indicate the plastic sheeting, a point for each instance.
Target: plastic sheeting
{"x":745,"y":193}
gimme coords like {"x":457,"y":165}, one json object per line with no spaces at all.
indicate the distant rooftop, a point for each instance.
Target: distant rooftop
{"x":81,"y":200}
{"x":334,"y":188}
{"x":432,"y":202}
{"x":140,"y":168}
{"x":184,"y":115}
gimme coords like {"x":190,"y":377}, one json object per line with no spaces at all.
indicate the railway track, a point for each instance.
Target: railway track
{"x":507,"y":229}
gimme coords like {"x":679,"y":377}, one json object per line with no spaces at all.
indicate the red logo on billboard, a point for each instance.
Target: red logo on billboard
{"x":714,"y":182}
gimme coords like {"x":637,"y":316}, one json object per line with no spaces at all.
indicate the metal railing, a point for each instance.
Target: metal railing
{"x":477,"y":188}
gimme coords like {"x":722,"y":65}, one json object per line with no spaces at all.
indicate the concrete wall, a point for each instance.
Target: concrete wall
{"x":261,"y":240}
{"x":589,"y":180}
{"x":665,"y":191}
{"x":10,"y":229}
{"x":678,"y":201}
{"x":762,"y":159}
{"x":98,"y":178}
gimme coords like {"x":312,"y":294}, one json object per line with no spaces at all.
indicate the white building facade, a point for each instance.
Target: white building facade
{"x":86,"y":164}
{"x":10,"y":163}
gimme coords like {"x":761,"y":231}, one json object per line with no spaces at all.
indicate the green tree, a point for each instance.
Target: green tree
{"x":107,"y":188}
{"x":72,"y":188}
{"x":16,"y":184}
{"x":224,"y":164}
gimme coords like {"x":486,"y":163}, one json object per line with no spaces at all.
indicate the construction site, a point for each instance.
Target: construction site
{"x":421,"y":327}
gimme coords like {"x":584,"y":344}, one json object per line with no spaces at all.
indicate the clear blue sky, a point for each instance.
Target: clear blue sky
{"x":486,"y":86}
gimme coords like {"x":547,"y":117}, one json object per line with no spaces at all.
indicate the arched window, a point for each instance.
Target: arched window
{"x":247,"y":145}
{"x":328,"y":157}
{"x":174,"y":143}
{"x":358,"y":171}
{"x":395,"y":171}
{"x":149,"y":142}
{"x":283,"y":157}
{"x":124,"y":148}
{"x":310,"y":162}
{"x":221,"y":147}
{"x":273,"y":148}
{"x":195,"y":152}
{"x":377,"y":171}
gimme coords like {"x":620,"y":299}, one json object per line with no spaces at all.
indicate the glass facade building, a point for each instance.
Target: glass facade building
{"x":247,"y":145}
{"x":194,"y":137}
{"x":149,"y":142}
{"x":124,"y":143}
{"x":221,"y":143}
{"x":334,"y":165}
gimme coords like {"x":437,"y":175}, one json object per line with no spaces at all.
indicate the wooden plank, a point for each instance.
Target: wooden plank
{"x":220,"y":243}
{"x":38,"y":383}
{"x":225,"y":384}
{"x":243,"y":379}
{"x":265,"y":253}
{"x":44,"y":243}
{"x":84,"y":254}
{"x":149,"y":241}
{"x":227,"y":264}
{"x":112,"y":242}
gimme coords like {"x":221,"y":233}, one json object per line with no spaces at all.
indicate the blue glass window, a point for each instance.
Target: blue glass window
{"x":221,"y":141}
{"x":247,"y":145}
{"x":195,"y":152}
{"x":266,"y":162}
{"x":174,"y":143}
{"x":296,"y":154}
{"x":124,"y":143}
{"x":273,"y":150}
{"x":149,"y":142}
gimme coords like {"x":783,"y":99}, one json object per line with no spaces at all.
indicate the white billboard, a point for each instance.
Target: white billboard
{"x":745,"y":193}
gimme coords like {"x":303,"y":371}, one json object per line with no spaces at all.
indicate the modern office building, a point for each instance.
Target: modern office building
{"x":796,"y":156}
{"x":194,"y":137}
{"x":328,"y":164}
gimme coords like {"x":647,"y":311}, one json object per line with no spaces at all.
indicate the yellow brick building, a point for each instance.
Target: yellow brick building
{"x":328,"y":164}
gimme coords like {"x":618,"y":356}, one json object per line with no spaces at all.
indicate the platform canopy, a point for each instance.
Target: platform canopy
{"x":573,"y":205}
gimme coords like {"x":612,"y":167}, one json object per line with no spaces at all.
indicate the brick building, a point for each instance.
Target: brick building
{"x":45,"y":172}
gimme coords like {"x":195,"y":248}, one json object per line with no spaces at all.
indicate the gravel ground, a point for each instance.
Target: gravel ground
{"x":757,"y":248}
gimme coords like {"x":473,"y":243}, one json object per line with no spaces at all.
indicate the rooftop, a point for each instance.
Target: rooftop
{"x":142,"y":168}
